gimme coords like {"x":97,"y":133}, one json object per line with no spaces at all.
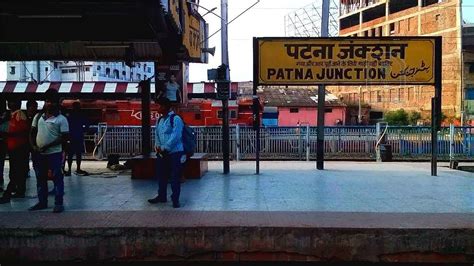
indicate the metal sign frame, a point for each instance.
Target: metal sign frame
{"x":436,"y":82}
{"x":335,"y":40}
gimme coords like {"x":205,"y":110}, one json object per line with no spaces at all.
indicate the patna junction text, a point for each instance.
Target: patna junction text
{"x":326,"y":73}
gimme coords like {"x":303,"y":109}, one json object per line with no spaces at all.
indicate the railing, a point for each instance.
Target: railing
{"x":299,"y":143}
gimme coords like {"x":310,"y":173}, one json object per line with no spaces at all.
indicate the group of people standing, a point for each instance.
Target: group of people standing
{"x":45,"y":135}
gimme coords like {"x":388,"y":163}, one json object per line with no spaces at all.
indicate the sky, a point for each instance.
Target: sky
{"x":264,"y":19}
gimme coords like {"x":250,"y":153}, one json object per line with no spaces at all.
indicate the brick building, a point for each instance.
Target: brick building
{"x":374,"y":18}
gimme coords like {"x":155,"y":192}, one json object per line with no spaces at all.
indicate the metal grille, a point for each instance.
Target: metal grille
{"x":299,"y":143}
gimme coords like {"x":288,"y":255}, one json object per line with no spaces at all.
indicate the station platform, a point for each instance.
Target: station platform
{"x":350,"y":212}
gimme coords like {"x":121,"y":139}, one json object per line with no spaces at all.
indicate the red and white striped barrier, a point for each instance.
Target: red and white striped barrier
{"x":71,"y":87}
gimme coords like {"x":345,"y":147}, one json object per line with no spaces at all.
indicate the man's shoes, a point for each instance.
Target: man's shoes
{"x":67,"y":173}
{"x":176,"y":205}
{"x":4,"y":200}
{"x":52,"y":192}
{"x":38,"y":206}
{"x":58,"y":208}
{"x":18,"y":196}
{"x":157,"y":199}
{"x":81,"y":172}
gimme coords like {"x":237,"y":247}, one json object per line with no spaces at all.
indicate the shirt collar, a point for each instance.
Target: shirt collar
{"x":170,"y":113}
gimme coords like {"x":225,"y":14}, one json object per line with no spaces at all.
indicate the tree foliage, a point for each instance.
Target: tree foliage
{"x":396,"y":118}
{"x":414,"y":117}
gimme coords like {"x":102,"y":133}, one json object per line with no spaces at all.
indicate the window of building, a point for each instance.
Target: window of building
{"x":138,"y":65}
{"x":431,"y":2}
{"x":380,"y":31}
{"x":88,"y":69}
{"x":72,"y":70}
{"x":139,"y":77}
{"x":12,"y":70}
{"x":373,"y":32}
{"x":64,"y":71}
{"x":392,"y":28}
{"x":373,"y":115}
{"x":107,"y":72}
{"x":144,"y":76}
{"x":393,"y":95}
{"x":149,"y":69}
{"x":124,"y":73}
{"x":46,"y":69}
{"x":144,"y":67}
{"x":328,"y":110}
{"x":471,"y":68}
{"x":379,"y":96}
{"x":401,"y":94}
{"x":366,"y":33}
{"x":294,"y":110}
{"x":98,"y":67}
{"x":197,"y":116}
{"x":219,"y":114}
{"x":116,"y":74}
{"x":56,"y":65}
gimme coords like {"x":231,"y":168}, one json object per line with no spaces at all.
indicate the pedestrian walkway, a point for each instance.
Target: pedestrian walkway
{"x":281,"y":186}
{"x":353,"y":211}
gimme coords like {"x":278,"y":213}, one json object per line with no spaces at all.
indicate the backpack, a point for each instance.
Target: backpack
{"x":188,"y":136}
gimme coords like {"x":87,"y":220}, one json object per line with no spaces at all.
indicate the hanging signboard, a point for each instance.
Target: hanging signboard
{"x":345,"y":61}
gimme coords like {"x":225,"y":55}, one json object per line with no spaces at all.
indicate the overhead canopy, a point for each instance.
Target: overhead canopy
{"x":101,"y":30}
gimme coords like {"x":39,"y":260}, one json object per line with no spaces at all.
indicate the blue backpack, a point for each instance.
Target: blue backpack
{"x":188,"y":137}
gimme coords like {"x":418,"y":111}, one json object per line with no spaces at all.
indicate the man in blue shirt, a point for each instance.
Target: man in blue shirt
{"x":170,"y":155}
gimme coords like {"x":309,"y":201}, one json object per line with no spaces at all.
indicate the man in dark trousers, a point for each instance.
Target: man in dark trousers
{"x":18,"y":152}
{"x":170,"y":155}
{"x":52,"y":130}
{"x":77,"y":126}
{"x":4,"y":118}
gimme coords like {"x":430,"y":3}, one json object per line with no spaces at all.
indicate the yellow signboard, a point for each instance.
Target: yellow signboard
{"x":355,"y":61}
{"x":192,"y":33}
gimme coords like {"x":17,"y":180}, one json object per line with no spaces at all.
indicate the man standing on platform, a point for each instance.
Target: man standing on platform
{"x":52,"y":132}
{"x":18,"y":150}
{"x":170,"y":155}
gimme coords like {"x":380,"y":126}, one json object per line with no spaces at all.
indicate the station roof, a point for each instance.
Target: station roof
{"x":101,"y":30}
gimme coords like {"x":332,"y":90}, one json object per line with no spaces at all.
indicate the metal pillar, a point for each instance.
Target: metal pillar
{"x":436,"y":106}
{"x":225,"y":102}
{"x":322,"y":93}
{"x":320,"y":135}
{"x":146,"y":128}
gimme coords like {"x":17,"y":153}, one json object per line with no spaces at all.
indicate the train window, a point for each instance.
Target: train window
{"x":197,"y":116}
{"x":219,"y":114}
{"x":328,"y":110}
{"x":294,"y":110}
{"x":233,"y":114}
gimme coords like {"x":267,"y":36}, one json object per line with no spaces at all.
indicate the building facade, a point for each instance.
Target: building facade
{"x":377,"y":18}
{"x":78,"y":71}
